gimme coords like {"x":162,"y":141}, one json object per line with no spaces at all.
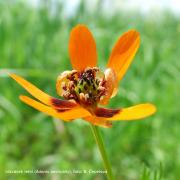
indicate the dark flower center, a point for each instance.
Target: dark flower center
{"x":85,"y":87}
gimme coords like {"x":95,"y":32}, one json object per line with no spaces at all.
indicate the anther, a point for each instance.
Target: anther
{"x":85,"y":87}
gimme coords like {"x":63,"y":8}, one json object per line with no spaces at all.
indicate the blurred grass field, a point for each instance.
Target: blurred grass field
{"x":33,"y":43}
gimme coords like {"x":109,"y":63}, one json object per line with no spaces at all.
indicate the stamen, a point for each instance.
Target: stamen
{"x":85,"y":87}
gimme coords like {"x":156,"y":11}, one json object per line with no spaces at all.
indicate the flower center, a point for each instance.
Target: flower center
{"x":85,"y":87}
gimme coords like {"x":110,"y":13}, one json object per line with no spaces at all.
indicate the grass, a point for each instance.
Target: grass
{"x":33,"y":43}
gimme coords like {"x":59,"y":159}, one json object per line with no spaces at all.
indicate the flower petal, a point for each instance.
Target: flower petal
{"x":59,"y":103}
{"x":82,"y":48}
{"x":98,"y":121}
{"x":105,"y":112}
{"x":40,"y":95}
{"x":123,"y":52}
{"x":131,"y":113}
{"x":66,"y":116}
{"x":111,"y":86}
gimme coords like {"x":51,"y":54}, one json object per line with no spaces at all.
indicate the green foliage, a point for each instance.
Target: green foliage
{"x":33,"y":43}
{"x":148,"y":174}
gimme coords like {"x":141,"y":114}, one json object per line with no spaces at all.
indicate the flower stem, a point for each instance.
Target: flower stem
{"x":100,"y":144}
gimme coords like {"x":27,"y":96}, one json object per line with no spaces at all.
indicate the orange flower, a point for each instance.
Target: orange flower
{"x":86,"y":86}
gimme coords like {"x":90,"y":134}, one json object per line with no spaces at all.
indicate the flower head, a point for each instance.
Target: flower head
{"x":86,"y":87}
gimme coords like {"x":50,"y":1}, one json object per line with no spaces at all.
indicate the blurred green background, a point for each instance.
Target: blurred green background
{"x":33,"y":43}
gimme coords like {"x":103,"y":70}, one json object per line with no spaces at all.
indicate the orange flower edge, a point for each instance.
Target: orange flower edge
{"x":86,"y":87}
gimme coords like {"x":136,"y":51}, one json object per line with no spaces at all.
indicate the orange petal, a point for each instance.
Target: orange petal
{"x":40,"y":95}
{"x":98,"y":121}
{"x":33,"y":90}
{"x":105,"y":112}
{"x":82,"y":48}
{"x":111,"y":86}
{"x":123,"y":52}
{"x":59,"y":103}
{"x":133,"y":113}
{"x":66,"y":116}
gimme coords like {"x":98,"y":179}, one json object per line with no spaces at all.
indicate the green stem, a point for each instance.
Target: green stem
{"x":100,"y":144}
